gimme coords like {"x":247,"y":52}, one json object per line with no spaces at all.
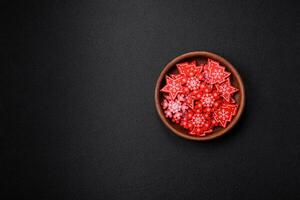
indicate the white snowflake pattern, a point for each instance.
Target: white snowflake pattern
{"x":205,"y":74}
{"x":181,"y":97}
{"x":224,"y":114}
{"x":198,"y":120}
{"x":217,"y":73}
{"x":193,"y":83}
{"x":168,"y":114}
{"x":207,"y":100}
{"x":223,"y":88}
{"x":174,"y":87}
{"x":174,"y":108}
{"x":177,"y":116}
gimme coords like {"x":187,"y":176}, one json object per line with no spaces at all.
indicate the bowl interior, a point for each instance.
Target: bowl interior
{"x":201,"y":58}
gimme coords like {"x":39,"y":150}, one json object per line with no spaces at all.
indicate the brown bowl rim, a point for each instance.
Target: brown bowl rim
{"x":233,"y":71}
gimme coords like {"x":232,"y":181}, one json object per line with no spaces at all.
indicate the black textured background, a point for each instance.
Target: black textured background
{"x":78,"y":118}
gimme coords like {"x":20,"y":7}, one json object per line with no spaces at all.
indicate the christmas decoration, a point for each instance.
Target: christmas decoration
{"x":173,"y":87}
{"x":216,"y":73}
{"x":200,"y":98}
{"x":226,"y":89}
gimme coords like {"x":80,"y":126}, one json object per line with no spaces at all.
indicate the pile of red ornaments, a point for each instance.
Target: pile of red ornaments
{"x":199,"y":98}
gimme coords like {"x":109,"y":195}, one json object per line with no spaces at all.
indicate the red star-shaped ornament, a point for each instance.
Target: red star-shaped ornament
{"x":216,"y":73}
{"x":226,"y":90}
{"x":173,"y":87}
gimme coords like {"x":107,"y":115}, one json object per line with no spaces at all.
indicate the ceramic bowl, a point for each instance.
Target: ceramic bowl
{"x":200,"y":57}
